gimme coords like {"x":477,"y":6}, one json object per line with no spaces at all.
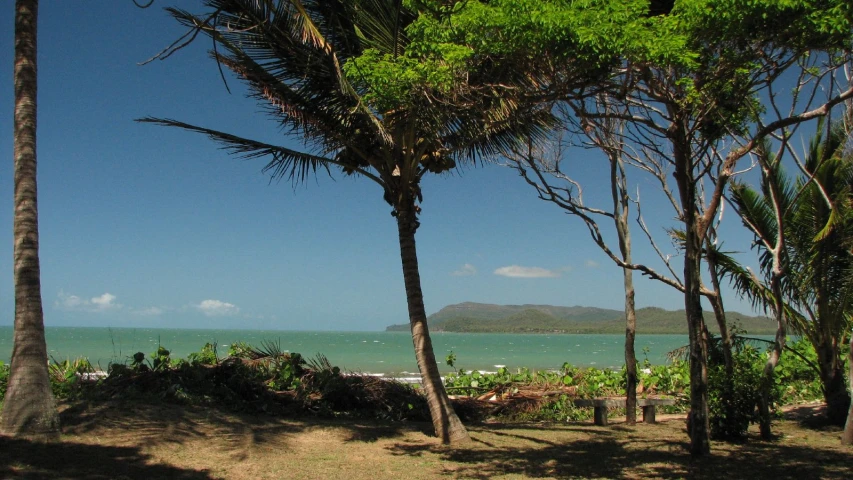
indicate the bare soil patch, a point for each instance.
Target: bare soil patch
{"x":146,"y":441}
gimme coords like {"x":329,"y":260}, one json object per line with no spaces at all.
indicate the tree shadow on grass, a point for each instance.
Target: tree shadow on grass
{"x":377,"y":430}
{"x":25,"y":459}
{"x":161,"y":422}
{"x":812,"y":417}
{"x":574,"y":453}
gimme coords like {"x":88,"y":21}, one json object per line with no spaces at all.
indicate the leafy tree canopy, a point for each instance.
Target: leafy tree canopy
{"x":715,"y":51}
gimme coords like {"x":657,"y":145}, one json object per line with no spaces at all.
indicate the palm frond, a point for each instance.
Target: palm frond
{"x":319,"y":363}
{"x":289,"y":53}
{"x":296,"y":165}
{"x":817,"y":220}
{"x":268,"y":349}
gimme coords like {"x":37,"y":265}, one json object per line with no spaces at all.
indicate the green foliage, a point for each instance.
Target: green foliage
{"x":240,"y":350}
{"x":161,"y":359}
{"x":558,"y":409}
{"x":284,"y":371}
{"x":450,"y":359}
{"x":4,"y":379}
{"x":732,"y":401}
{"x":207,"y":355}
{"x":67,"y":377}
{"x":388,"y":79}
{"x":670,"y":379}
{"x":796,"y":377}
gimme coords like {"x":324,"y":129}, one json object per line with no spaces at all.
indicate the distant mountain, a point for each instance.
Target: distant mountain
{"x":472,"y":317}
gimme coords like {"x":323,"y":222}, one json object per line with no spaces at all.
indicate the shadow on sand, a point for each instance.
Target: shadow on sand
{"x":602,"y":453}
{"x":134,"y":426}
{"x":24,"y":459}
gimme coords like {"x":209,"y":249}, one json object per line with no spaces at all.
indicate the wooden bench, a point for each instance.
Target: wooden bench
{"x":601,"y":405}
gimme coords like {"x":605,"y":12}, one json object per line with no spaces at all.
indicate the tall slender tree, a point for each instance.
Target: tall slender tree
{"x":29,"y":409}
{"x":338,"y":74}
{"x":547,"y":174}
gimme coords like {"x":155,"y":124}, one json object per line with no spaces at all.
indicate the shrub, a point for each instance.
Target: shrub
{"x":327,"y":391}
{"x":796,"y":375}
{"x":207,"y":355}
{"x":732,"y":401}
{"x":66,"y":377}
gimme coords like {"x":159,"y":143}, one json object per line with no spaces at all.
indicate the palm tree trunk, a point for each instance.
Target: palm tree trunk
{"x":447,"y":425}
{"x":29,"y":410}
{"x":847,"y":437}
{"x":832,"y":379}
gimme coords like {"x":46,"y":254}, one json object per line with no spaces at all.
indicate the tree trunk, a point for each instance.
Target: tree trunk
{"x":619,"y":190}
{"x":720,"y":313}
{"x":447,"y":425}
{"x":630,"y":354}
{"x":698,"y":423}
{"x":832,"y":379}
{"x":775,"y":354}
{"x":29,"y":410}
{"x":847,"y":437}
{"x":700,"y":441}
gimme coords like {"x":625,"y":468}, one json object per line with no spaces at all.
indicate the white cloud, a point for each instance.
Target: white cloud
{"x":73,"y":303}
{"x":591,"y":264}
{"x":104,"y":301}
{"x":516,"y":271}
{"x":466,"y":271}
{"x":217,"y":308}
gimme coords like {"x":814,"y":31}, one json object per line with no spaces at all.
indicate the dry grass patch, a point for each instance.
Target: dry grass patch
{"x":144,"y":441}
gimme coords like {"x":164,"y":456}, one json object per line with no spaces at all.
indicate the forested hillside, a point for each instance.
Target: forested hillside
{"x":472,"y":317}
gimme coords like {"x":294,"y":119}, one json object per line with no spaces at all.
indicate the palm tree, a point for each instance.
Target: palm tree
{"x":816,"y":286}
{"x":303,"y":60}
{"x":29,"y":410}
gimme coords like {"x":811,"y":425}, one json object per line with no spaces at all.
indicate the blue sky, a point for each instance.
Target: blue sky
{"x":144,"y":226}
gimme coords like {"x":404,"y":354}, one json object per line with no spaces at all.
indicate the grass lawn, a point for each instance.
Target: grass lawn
{"x":144,"y":441}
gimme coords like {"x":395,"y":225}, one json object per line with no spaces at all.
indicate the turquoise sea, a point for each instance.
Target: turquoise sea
{"x":387,"y":353}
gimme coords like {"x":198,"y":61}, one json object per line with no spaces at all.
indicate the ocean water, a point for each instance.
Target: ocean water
{"x":388,"y":353}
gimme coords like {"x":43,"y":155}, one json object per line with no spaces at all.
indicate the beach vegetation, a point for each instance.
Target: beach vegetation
{"x":67,"y":376}
{"x":208,"y":355}
{"x":4,"y":380}
{"x":733,"y":392}
{"x":547,"y":395}
{"x":255,"y":381}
